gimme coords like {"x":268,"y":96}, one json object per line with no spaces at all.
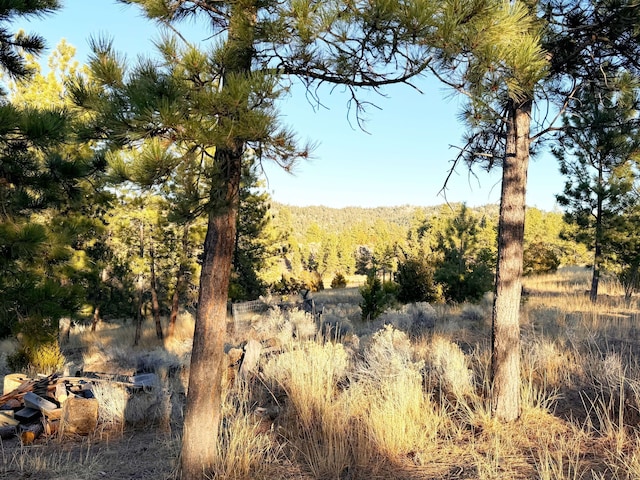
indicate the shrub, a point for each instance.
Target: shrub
{"x":415,"y":282}
{"x":375,"y":299}
{"x":312,"y":281}
{"x":339,"y":281}
{"x":539,"y":258}
{"x":18,"y":361}
{"x":45,"y":358}
{"x":289,"y":284}
{"x":465,"y":279}
{"x":449,"y":364}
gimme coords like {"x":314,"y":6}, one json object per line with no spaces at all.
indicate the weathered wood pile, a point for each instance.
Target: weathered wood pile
{"x":52,"y":405}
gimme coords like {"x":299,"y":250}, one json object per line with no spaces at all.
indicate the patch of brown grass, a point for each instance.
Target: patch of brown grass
{"x":394,"y":406}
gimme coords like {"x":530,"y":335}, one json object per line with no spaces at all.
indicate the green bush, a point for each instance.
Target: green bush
{"x":415,"y":282}
{"x":289,"y":285}
{"x":540,"y":257}
{"x":376,"y":297}
{"x":18,"y":361}
{"x":45,"y":358}
{"x":339,"y":281}
{"x":463,"y":278}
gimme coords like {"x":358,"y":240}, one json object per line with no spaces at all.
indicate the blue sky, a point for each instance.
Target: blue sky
{"x":403,"y":158}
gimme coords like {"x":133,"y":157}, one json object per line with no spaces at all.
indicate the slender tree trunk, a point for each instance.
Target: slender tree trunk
{"x":595,"y":279}
{"x":155,"y":304}
{"x":597,"y":257}
{"x":139,"y":313}
{"x":104,"y":276}
{"x":140,"y":289}
{"x":505,"y":360}
{"x":175,"y":303}
{"x":96,"y":317}
{"x":181,"y":276}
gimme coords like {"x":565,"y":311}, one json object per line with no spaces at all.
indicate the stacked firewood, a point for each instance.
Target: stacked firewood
{"x":47,"y":405}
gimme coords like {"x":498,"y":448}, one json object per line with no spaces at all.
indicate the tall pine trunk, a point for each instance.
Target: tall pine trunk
{"x":96,"y":317}
{"x":139,"y":313}
{"x":204,"y":397}
{"x":505,"y":360}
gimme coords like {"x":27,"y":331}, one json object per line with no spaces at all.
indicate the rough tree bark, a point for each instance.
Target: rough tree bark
{"x":597,"y":257}
{"x":505,"y":360}
{"x":204,"y":399}
{"x":202,"y":414}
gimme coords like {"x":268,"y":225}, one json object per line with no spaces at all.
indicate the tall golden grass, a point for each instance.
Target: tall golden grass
{"x":386,"y":404}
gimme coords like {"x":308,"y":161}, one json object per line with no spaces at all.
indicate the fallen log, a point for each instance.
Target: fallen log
{"x":28,"y":433}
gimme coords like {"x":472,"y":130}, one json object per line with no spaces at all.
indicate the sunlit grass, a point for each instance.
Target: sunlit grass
{"x":373,"y":400}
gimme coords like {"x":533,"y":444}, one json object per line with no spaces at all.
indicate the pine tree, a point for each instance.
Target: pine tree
{"x":506,"y":57}
{"x":492,"y":53}
{"x":14,"y":45}
{"x":257,"y":241}
{"x":464,"y":269}
{"x":218,"y":105}
{"x":41,"y":176}
{"x":597,"y":152}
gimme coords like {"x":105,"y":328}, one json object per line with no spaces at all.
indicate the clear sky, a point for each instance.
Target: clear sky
{"x":402,"y":159}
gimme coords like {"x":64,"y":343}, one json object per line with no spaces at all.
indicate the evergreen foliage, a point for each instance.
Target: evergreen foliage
{"x":44,"y":224}
{"x":623,"y":249}
{"x":597,"y":152}
{"x":339,"y":281}
{"x":540,"y":258}
{"x":465,"y":269}
{"x":257,"y":242}
{"x":14,"y":45}
{"x":416,"y":281}
{"x":376,"y":297}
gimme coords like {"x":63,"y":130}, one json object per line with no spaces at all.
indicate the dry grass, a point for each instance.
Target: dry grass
{"x":374,"y":401}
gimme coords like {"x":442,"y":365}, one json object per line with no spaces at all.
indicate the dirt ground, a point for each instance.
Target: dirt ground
{"x":137,"y":454}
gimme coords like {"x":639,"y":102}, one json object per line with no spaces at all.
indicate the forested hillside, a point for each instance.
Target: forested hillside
{"x":331,"y":240}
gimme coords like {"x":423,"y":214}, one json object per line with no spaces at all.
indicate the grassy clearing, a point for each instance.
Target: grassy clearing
{"x":378,"y":400}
